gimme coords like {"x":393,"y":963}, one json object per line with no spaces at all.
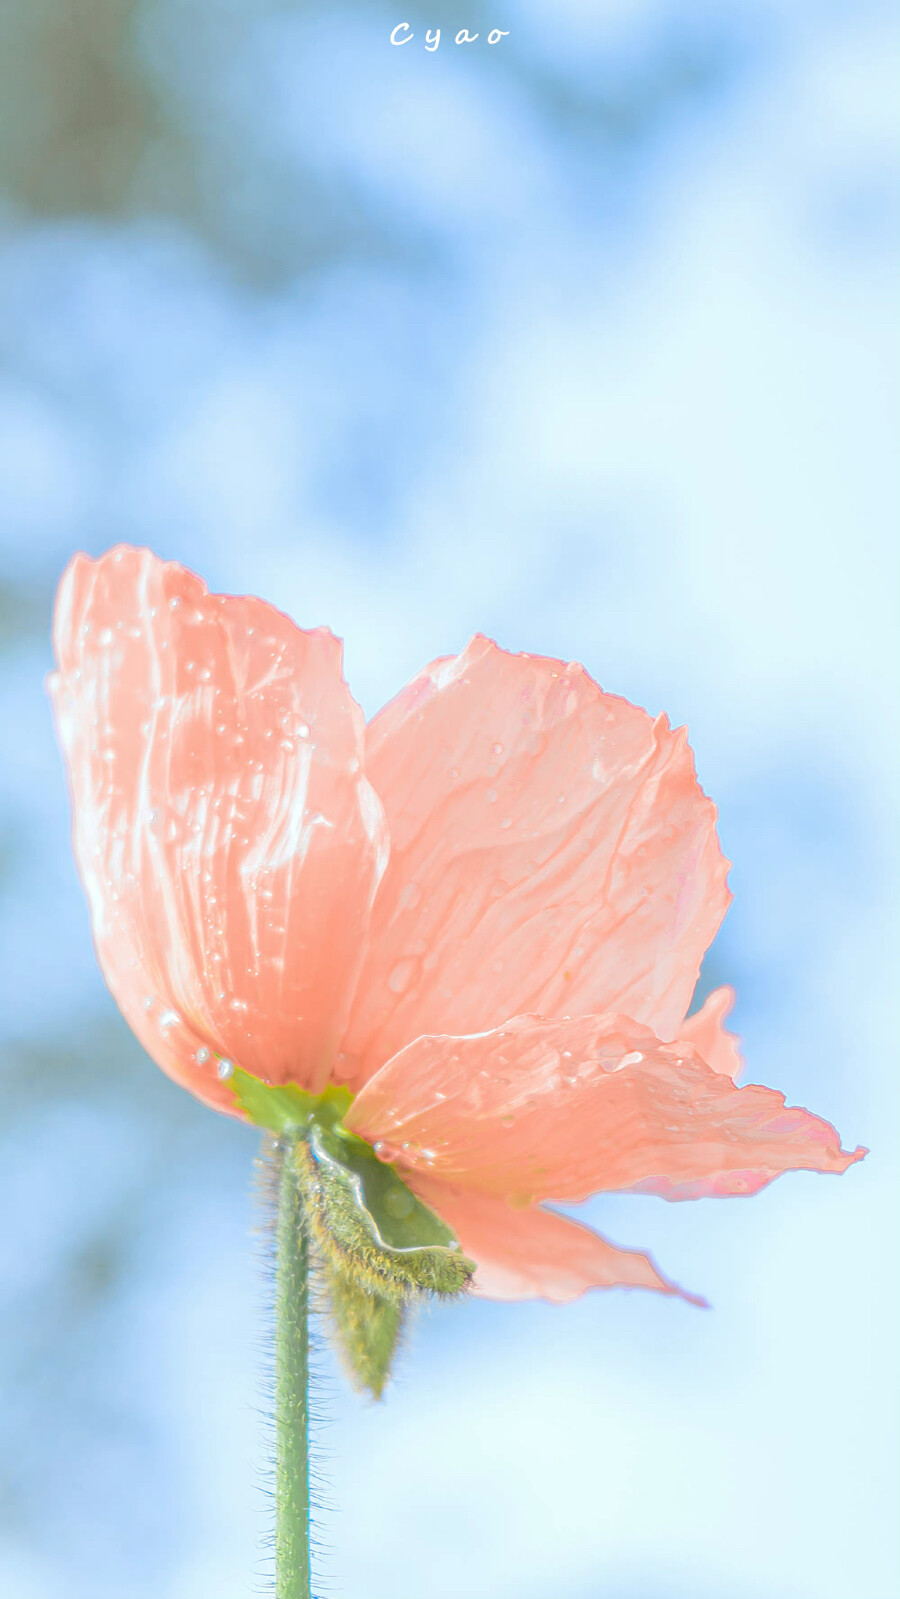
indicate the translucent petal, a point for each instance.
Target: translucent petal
{"x":561,"y":1110}
{"x":536,"y":1254}
{"x":551,"y":851}
{"x":227,"y":840}
{"x":707,"y":1033}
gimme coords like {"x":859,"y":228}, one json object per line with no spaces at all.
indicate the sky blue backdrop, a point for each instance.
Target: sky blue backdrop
{"x":587,"y":340}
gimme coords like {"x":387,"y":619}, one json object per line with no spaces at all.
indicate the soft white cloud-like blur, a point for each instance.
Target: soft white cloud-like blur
{"x":607,"y":375}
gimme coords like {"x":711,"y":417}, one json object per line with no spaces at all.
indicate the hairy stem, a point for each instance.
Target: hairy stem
{"x":292,"y":1575}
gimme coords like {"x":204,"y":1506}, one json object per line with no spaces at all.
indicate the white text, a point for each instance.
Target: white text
{"x":403,"y":34}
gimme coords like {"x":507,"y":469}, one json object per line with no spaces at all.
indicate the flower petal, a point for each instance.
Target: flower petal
{"x":534,"y":1253}
{"x":705,"y":1030}
{"x":561,"y":1110}
{"x":227,"y":840}
{"x":551,"y":851}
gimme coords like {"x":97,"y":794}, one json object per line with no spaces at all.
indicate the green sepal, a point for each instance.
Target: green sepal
{"x":378,"y":1246}
{"x":367,"y":1328}
{"x":393,"y":1240}
{"x":286,"y":1110}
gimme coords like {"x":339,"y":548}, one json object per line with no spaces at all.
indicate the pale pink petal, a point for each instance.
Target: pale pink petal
{"x":551,"y":851}
{"x":561,"y":1110}
{"x":225,"y":835}
{"x":534,"y":1253}
{"x":706,"y":1031}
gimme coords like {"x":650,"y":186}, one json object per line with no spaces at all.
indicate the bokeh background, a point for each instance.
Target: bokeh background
{"x":587,"y":340}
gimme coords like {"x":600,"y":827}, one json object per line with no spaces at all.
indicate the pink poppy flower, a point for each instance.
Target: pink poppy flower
{"x":484,"y":912}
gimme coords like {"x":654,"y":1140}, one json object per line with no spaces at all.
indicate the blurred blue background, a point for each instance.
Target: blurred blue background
{"x":587,"y":340}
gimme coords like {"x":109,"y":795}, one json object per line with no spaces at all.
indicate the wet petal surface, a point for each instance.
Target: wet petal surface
{"x":225,"y":834}
{"x":561,"y":1110}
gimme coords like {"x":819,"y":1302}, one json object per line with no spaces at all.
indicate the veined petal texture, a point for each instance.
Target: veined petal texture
{"x":551,"y":851}
{"x":226,"y":836}
{"x":563,"y":1109}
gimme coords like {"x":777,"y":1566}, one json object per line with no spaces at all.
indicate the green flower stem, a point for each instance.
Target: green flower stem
{"x":292,"y":1575}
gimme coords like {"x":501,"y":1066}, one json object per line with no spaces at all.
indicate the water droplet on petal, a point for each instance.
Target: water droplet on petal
{"x":634,"y":1059}
{"x":496,"y":749}
{"x":202,"y":1056}
{"x":225,"y":1070}
{"x":401,"y":976}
